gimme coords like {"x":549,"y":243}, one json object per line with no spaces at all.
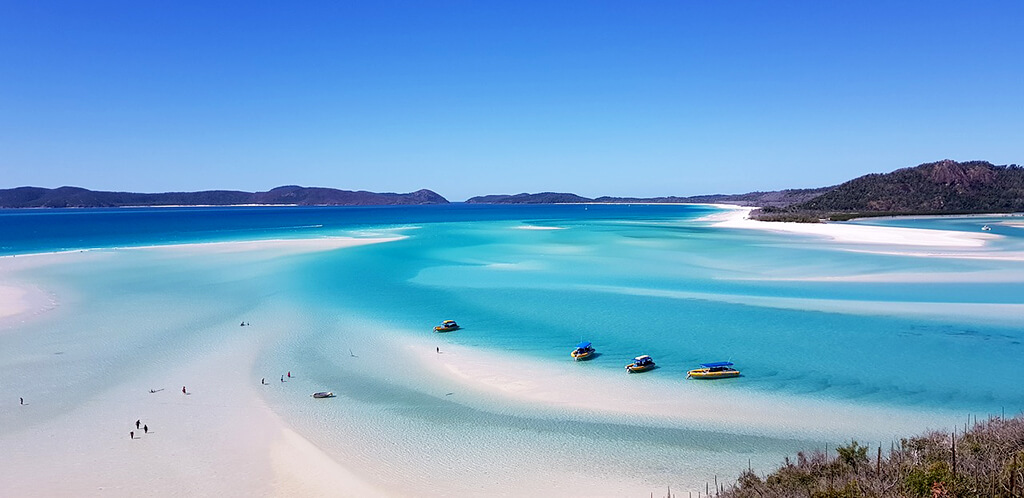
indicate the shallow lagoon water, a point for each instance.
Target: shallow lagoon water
{"x":807,"y":320}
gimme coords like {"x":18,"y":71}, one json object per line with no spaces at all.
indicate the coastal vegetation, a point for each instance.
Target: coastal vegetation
{"x":985,"y":460}
{"x":524,"y":198}
{"x":770,"y":198}
{"x":943,"y":187}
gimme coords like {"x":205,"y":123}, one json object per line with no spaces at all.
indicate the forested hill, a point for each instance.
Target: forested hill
{"x":30,"y":197}
{"x":768,"y":198}
{"x":541,"y":198}
{"x":774,"y":198}
{"x":939,"y":187}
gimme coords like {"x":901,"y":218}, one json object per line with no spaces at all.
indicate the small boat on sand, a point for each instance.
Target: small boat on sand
{"x":583,"y":351}
{"x":718,"y":370}
{"x":447,"y":326}
{"x":323,"y":394}
{"x":640,"y":364}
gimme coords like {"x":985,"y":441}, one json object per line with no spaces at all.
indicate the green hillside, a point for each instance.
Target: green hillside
{"x":943,"y":187}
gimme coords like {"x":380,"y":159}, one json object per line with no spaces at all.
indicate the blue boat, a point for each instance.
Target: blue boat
{"x":583,"y":351}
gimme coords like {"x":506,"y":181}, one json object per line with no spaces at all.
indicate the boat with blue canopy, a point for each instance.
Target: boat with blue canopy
{"x":583,"y":351}
{"x":717,"y":370}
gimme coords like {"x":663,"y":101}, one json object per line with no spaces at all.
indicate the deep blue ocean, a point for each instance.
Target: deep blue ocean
{"x":44,"y":230}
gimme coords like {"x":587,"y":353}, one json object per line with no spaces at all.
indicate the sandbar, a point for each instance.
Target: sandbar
{"x":849,"y":233}
{"x":219,"y":439}
{"x":572,"y":386}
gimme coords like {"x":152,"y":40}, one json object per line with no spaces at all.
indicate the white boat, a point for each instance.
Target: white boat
{"x":986,"y":228}
{"x":640,"y":364}
{"x":323,"y":394}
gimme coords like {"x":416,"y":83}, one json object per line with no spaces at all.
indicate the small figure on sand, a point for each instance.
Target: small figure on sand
{"x":263,"y":381}
{"x":22,"y":400}
{"x":183,"y":390}
{"x":289,"y":374}
{"x":145,"y":429}
{"x":282,"y":378}
{"x":241,"y":324}
{"x":438,"y":349}
{"x":131,"y":434}
{"x":137,"y":423}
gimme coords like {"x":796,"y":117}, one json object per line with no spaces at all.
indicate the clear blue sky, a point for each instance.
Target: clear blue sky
{"x":466,"y":97}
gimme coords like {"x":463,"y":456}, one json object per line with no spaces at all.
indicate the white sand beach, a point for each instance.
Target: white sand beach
{"x":738,"y":217}
{"x":13,"y":301}
{"x":685,"y":403}
{"x":20,"y":303}
{"x":219,"y":439}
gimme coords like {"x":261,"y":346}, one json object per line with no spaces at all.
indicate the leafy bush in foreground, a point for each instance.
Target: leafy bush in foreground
{"x":986,"y":461}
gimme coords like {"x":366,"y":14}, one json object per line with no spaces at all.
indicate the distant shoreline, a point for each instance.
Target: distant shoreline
{"x":868,"y":234}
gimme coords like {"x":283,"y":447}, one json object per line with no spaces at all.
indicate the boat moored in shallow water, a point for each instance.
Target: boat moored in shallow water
{"x":640,"y":364}
{"x":717,"y":370}
{"x":583,"y":351}
{"x":447,"y":326}
{"x":323,"y":394}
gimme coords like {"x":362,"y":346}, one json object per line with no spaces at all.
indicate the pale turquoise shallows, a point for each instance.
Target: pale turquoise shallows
{"x":807,"y":320}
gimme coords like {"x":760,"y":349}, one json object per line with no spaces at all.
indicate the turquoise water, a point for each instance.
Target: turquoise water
{"x":807,"y":320}
{"x":537,"y":292}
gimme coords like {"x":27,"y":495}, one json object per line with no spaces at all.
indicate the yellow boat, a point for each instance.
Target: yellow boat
{"x":447,"y":326}
{"x":719,"y":370}
{"x":583,"y":351}
{"x":640,"y":364}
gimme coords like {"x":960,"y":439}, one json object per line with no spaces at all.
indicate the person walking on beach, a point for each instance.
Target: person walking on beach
{"x":263,"y":381}
{"x":137,"y":423}
{"x":131,"y":434}
{"x":145,"y":429}
{"x":22,"y":400}
{"x":289,"y":374}
{"x":438,"y":349}
{"x":183,"y":390}
{"x":282,"y":378}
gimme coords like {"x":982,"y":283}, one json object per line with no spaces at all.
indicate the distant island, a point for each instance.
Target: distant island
{"x":943,"y":187}
{"x":756,"y":199}
{"x":75,"y":197}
